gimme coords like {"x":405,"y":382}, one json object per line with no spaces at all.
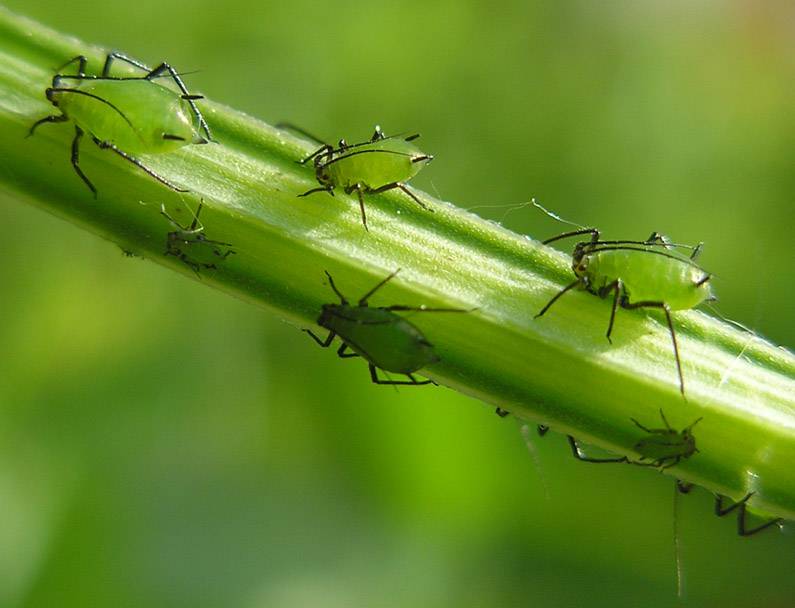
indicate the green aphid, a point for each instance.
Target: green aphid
{"x":384,"y":339}
{"x":638,"y":274}
{"x":192,"y":247}
{"x":127,"y":115}
{"x":666,"y":447}
{"x":371,"y":167}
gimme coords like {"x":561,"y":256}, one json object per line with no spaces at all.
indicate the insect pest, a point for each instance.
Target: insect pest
{"x":127,"y":115}
{"x":663,"y":448}
{"x":638,"y":274}
{"x":190,"y":245}
{"x":666,"y":447}
{"x":384,"y":339}
{"x":371,"y":167}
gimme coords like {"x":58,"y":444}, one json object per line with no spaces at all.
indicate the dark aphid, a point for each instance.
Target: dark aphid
{"x":127,"y":115}
{"x":740,"y":505}
{"x":664,"y":448}
{"x":638,"y":274}
{"x":384,"y":339}
{"x":371,"y":167}
{"x":189,"y":244}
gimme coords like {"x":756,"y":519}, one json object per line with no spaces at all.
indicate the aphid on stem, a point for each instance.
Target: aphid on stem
{"x":190,"y":245}
{"x":370,"y":167}
{"x":384,"y":339}
{"x":127,"y":115}
{"x":638,"y":274}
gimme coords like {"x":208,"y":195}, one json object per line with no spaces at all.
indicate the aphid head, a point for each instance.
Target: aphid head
{"x":327,"y":313}
{"x":322,"y":173}
{"x":580,"y":258}
{"x":688,"y":439}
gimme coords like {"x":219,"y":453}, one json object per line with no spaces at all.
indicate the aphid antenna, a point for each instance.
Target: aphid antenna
{"x":555,"y":216}
{"x":51,"y":90}
{"x":343,"y":299}
{"x":736,"y":324}
{"x":365,"y":297}
{"x":665,"y":421}
{"x":195,"y":227}
{"x":689,"y":427}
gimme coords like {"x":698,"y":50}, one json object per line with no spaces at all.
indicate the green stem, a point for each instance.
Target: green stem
{"x":558,"y":369}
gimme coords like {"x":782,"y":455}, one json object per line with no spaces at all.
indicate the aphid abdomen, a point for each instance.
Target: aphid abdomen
{"x":134,"y":115}
{"x":648,"y":276}
{"x":370,"y":168}
{"x":382,"y":337}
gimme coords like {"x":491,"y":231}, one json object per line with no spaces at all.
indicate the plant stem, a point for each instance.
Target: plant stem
{"x":559,"y":369}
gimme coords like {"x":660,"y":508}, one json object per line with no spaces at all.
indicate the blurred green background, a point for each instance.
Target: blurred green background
{"x":162,"y":444}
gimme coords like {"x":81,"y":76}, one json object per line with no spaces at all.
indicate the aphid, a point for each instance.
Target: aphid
{"x":189,"y":244}
{"x":371,"y":167}
{"x":740,"y":505}
{"x":665,"y":447}
{"x":639,"y":274}
{"x":384,"y":339}
{"x":127,"y":115}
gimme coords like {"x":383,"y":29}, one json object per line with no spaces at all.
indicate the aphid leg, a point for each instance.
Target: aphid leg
{"x":683,"y":487}
{"x":342,"y":354}
{"x":542,"y":430}
{"x":741,"y":513}
{"x":106,"y":145}
{"x":617,"y":287}
{"x":81,"y":64}
{"x":665,"y":421}
{"x":76,"y":160}
{"x":328,"y":189}
{"x":402,"y":187}
{"x":667,"y":311}
{"x":640,"y":426}
{"x":343,"y":299}
{"x":324,"y":343}
{"x":412,"y":137}
{"x":59,"y":118}
{"x":558,"y":295}
{"x":191,"y":228}
{"x":121,"y":56}
{"x":592,"y":231}
{"x":358,"y":190}
{"x":501,"y":412}
{"x":368,"y":295}
{"x":324,"y":150}
{"x":412,"y":380}
{"x":163,"y":67}
{"x":580,"y":455}
{"x":696,"y":251}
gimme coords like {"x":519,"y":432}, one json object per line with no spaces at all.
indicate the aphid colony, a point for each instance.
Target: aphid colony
{"x":133,"y":115}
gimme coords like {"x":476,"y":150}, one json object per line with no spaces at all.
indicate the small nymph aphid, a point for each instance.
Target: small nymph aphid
{"x":371,"y":167}
{"x":384,"y":339}
{"x":127,"y":115}
{"x":192,"y":247}
{"x":638,"y":274}
{"x":664,"y":448}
